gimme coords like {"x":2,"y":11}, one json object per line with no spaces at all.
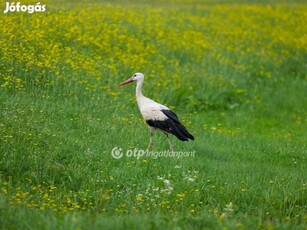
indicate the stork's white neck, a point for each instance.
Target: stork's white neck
{"x":139,"y":93}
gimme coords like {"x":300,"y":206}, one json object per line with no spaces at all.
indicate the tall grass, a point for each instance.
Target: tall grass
{"x":234,"y":73}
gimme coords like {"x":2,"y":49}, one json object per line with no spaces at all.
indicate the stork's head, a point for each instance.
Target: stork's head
{"x":136,"y":77}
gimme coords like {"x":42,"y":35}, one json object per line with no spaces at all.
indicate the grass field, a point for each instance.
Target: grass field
{"x":233,"y":71}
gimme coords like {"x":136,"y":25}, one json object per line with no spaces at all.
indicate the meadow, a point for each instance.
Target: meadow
{"x":233,"y":70}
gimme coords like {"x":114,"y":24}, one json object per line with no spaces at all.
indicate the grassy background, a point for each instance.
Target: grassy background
{"x":234,"y":72}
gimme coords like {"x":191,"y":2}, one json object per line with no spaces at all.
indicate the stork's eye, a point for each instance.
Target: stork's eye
{"x":134,"y":75}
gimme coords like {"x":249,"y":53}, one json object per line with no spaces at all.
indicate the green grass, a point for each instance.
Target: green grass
{"x":241,"y":94}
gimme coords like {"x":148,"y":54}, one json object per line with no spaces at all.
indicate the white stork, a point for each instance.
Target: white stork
{"x":157,"y":116}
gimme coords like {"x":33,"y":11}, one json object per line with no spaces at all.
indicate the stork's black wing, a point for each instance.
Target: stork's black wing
{"x":171,"y":125}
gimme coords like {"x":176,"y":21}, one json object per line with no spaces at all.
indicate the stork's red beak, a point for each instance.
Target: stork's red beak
{"x":126,"y":82}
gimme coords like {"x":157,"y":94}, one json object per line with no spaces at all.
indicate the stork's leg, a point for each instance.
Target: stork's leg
{"x":151,"y":129}
{"x":170,"y":143}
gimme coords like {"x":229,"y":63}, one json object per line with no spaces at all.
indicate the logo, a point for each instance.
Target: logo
{"x":11,"y":7}
{"x":118,"y":153}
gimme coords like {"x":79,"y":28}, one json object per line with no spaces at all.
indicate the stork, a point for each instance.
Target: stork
{"x":157,"y":116}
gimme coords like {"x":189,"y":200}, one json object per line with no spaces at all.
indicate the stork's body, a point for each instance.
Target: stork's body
{"x":158,"y":116}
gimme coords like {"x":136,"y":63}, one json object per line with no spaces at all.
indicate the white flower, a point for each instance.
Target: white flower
{"x":228,"y":210}
{"x":190,"y":175}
